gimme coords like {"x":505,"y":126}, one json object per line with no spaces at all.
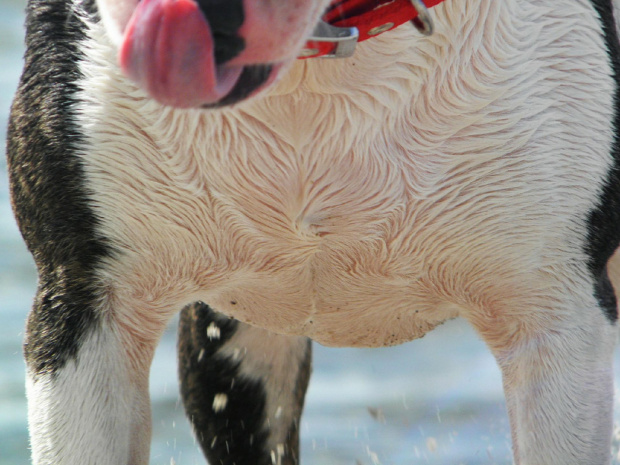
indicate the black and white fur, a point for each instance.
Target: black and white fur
{"x":359,"y":202}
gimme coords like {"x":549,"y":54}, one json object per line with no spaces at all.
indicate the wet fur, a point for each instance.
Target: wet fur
{"x":358,"y":202}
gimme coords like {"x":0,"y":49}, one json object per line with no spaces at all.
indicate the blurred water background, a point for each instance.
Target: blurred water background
{"x":435,"y":401}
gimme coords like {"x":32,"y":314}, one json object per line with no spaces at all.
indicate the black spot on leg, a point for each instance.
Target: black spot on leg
{"x":235,"y":433}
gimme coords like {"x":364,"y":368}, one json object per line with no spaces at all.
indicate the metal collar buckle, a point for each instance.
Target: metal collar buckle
{"x":345,"y":38}
{"x":423,"y":22}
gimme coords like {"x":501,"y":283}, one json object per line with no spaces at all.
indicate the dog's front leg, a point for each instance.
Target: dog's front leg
{"x":558,"y":380}
{"x":243,"y":388}
{"x":87,"y":378}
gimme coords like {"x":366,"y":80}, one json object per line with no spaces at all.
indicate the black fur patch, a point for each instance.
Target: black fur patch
{"x":604,"y":221}
{"x":225,"y":18}
{"x":236,"y":434}
{"x":48,"y":189}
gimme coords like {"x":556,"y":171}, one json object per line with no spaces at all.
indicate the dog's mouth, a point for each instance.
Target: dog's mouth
{"x":186,"y":61}
{"x":252,"y":79}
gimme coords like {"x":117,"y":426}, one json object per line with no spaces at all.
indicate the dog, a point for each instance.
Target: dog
{"x":200,"y":156}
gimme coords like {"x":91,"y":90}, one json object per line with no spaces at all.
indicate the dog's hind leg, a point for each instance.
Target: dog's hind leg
{"x":243,"y":388}
{"x":558,"y":380}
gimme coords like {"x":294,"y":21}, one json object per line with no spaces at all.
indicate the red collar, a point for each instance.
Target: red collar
{"x":358,"y":20}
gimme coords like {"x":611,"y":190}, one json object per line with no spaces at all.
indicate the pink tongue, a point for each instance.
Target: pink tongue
{"x":168,"y":50}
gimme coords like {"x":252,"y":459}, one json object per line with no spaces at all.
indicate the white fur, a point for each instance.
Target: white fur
{"x":362,"y":202}
{"x":116,"y":16}
{"x":95,"y":411}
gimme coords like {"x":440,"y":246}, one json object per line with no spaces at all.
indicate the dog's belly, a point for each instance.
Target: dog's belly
{"x":327,"y":251}
{"x":350,"y":242}
{"x":331,"y":303}
{"x":350,"y":284}
{"x":339,"y":243}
